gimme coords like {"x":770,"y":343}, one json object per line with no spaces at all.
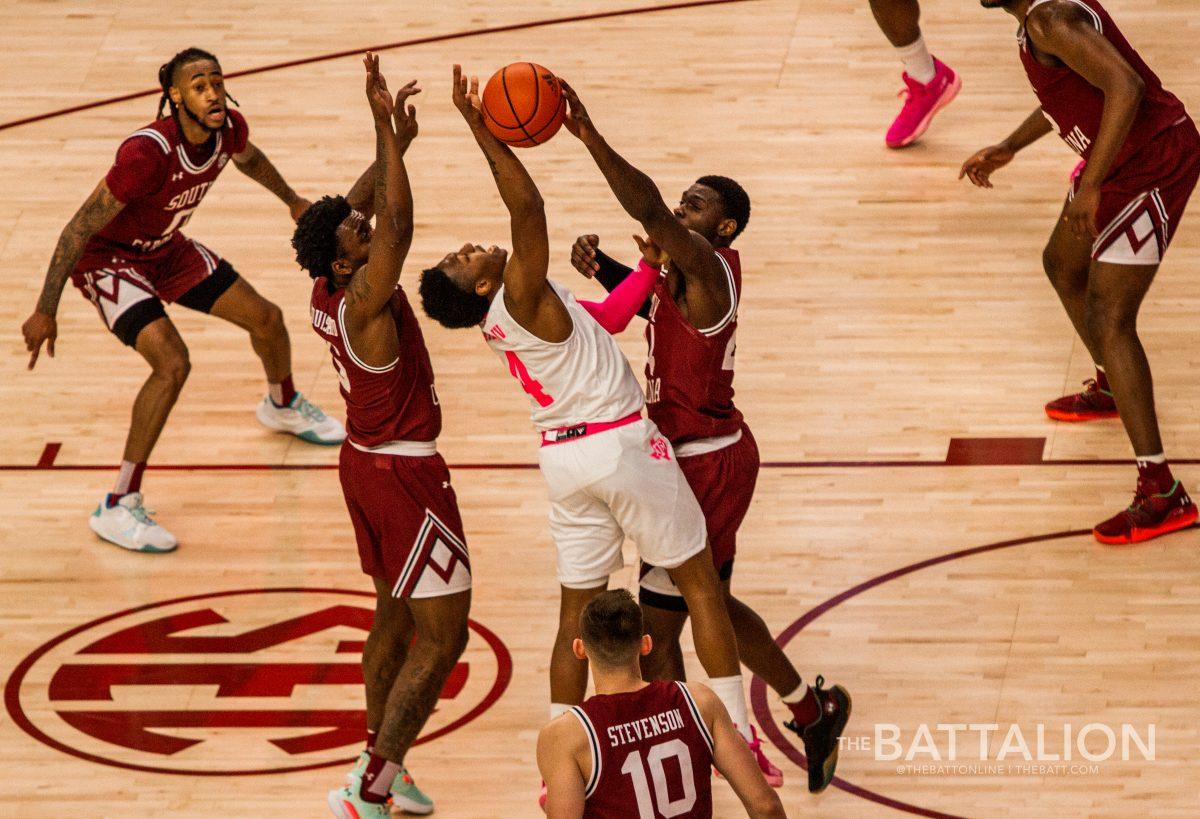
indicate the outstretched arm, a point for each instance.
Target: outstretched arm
{"x":362,"y":193}
{"x":980,"y":167}
{"x":254,"y":164}
{"x":371,"y":288}
{"x":731,"y":756}
{"x":691,"y":254}
{"x":525,"y":275}
{"x":1069,"y":34}
{"x":99,"y":209}
{"x":625,"y":300}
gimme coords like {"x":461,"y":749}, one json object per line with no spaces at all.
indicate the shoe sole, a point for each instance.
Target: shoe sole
{"x":307,"y":436}
{"x":127,"y":545}
{"x":338,"y":806}
{"x":1056,"y":415}
{"x":406,"y":806}
{"x":1171,"y":524}
{"x":830,"y":766}
{"x":948,"y":96}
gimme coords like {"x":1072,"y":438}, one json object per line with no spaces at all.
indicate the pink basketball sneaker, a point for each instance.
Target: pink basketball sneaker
{"x":921,"y":102}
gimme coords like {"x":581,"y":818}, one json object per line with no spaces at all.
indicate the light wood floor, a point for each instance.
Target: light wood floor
{"x":888,"y":309}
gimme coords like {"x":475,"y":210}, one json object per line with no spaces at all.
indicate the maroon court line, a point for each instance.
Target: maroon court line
{"x":758,"y":689}
{"x":436,"y":38}
{"x":503,"y":466}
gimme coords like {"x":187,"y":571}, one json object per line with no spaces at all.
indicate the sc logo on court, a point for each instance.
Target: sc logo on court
{"x":256,"y":681}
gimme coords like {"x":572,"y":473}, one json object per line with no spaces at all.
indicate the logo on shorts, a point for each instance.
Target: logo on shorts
{"x":229,"y":683}
{"x":660,"y":450}
{"x":570,"y":434}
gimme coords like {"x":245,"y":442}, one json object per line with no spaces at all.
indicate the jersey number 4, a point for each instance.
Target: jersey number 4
{"x":660,"y":799}
{"x":519,"y":372}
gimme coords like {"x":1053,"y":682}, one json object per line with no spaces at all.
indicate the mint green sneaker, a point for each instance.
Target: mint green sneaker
{"x":405,"y":793}
{"x":347,"y":804}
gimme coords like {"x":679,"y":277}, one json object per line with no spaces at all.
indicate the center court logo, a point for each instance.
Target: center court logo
{"x":255,"y":681}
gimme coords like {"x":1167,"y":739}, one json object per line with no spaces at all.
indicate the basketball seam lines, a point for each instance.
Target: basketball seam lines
{"x":511,"y":107}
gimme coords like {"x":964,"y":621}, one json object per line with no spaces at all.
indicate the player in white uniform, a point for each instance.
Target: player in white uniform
{"x":609,"y":471}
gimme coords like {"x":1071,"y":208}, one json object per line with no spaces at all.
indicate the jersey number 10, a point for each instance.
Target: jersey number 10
{"x":661,"y":799}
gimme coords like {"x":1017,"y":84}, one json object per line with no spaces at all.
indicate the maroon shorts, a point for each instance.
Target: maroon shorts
{"x":128,"y":288}
{"x":1142,"y":203}
{"x":406,"y":522}
{"x":723,"y":482}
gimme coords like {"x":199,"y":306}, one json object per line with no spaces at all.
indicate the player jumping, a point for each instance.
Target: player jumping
{"x":609,"y":471}
{"x":692,"y":335}
{"x":650,"y":745}
{"x":396,"y":485}
{"x":1141,"y":161}
{"x":125,"y":251}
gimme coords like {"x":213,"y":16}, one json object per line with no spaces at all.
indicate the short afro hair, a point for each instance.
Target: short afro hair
{"x":733,"y":197}
{"x":315,"y":239}
{"x":611,"y":627}
{"x":448,"y":304}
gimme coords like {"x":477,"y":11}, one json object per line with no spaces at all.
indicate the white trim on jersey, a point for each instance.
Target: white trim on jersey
{"x":209,"y":260}
{"x":1096,"y":21}
{"x":733,"y":301}
{"x":1118,"y":219}
{"x":193,"y":168}
{"x":155,"y":135}
{"x":448,"y":537}
{"x":1162,"y":213}
{"x":708,"y":740}
{"x":346,"y":338}
{"x":594,"y":744}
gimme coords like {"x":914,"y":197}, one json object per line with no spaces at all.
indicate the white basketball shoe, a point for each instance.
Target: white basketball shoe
{"x":128,"y":524}
{"x":303,"y":419}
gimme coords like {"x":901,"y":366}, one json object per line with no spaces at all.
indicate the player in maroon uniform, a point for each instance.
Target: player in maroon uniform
{"x":639,"y":749}
{"x":396,"y":485}
{"x":124,"y":250}
{"x":689,"y":394}
{"x":1141,"y":161}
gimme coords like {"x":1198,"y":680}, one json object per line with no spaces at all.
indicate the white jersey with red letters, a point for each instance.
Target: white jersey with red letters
{"x":585,"y":379}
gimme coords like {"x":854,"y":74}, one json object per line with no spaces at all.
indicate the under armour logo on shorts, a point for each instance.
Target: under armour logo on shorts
{"x":659,"y":450}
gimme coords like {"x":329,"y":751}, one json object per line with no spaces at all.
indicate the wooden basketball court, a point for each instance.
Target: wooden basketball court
{"x":892,"y":314}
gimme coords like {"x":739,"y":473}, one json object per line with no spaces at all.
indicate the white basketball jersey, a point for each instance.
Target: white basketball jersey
{"x":585,"y":379}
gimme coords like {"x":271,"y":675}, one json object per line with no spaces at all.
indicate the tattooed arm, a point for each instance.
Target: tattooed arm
{"x":362,"y":195}
{"x":254,"y":164}
{"x":41,"y":328}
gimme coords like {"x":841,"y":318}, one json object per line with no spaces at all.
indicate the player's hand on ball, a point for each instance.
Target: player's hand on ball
{"x":652,"y":254}
{"x":466,"y":98}
{"x":297,"y":207}
{"x":39,"y":329}
{"x":982,"y":165}
{"x":404,"y":116}
{"x":583,"y":254}
{"x":578,"y":121}
{"x":378,"y":96}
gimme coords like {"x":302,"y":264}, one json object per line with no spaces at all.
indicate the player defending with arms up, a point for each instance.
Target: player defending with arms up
{"x":692,"y":335}
{"x":637,"y":748}
{"x":609,"y":471}
{"x":1141,"y":161}
{"x":125,"y":251}
{"x":396,"y":485}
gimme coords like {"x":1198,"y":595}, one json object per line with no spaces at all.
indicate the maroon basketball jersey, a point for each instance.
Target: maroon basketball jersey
{"x":396,"y":402}
{"x":162,"y":178}
{"x":651,"y":754}
{"x":1073,"y":105}
{"x":689,"y":372}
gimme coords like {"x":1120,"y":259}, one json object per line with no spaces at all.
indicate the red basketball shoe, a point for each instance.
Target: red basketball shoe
{"x":1149,"y":516}
{"x":1090,"y":405}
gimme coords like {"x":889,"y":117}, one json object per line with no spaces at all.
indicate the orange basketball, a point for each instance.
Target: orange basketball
{"x":523,"y":104}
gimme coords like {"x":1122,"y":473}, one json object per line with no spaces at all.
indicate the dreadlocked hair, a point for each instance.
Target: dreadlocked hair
{"x":733,"y":197}
{"x":315,"y":240}
{"x":166,"y":76}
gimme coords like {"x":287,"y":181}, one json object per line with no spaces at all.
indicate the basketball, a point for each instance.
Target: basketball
{"x":523,"y":104}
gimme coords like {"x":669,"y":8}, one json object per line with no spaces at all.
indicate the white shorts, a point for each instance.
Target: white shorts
{"x":623,"y":481}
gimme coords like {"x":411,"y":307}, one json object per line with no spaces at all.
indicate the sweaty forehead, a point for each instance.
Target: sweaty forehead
{"x":703,"y":192}
{"x":197,"y":68}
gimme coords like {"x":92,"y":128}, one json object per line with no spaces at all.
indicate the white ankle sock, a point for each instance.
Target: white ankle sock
{"x":1160,"y":458}
{"x":917,"y":62}
{"x":731,"y":694}
{"x":557,"y":709}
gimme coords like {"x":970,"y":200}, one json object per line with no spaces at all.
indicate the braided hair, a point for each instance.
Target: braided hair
{"x":166,"y":76}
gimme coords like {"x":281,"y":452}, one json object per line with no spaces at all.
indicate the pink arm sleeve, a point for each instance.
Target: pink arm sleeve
{"x":616,"y":311}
